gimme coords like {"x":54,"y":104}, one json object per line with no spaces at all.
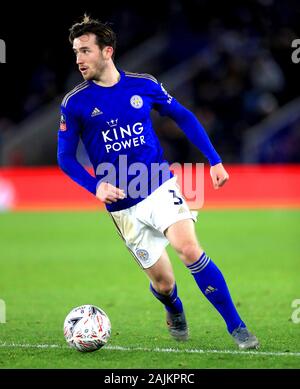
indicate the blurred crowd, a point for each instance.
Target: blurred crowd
{"x":246,"y":73}
{"x":245,"y":68}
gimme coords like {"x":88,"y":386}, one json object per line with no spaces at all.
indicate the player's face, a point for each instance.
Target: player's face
{"x":91,"y":60}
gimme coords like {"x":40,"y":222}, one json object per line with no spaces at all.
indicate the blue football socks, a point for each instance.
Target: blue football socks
{"x":212,"y":284}
{"x":171,"y":302}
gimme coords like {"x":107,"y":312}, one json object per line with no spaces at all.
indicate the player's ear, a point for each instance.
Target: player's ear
{"x":108,"y":52}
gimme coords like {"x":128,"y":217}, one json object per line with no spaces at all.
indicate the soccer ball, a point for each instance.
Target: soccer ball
{"x":87,"y":328}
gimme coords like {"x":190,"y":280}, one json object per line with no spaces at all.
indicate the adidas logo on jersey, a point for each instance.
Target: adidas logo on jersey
{"x":96,"y":112}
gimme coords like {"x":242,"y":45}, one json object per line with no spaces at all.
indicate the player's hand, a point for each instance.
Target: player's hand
{"x":218,"y":175}
{"x":109,"y":194}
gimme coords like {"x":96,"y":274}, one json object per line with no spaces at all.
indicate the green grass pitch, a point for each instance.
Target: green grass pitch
{"x":52,"y":262}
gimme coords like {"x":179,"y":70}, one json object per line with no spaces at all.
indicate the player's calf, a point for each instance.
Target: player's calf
{"x":163,"y":287}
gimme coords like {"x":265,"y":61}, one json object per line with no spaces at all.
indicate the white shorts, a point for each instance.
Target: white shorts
{"x":142,"y":226}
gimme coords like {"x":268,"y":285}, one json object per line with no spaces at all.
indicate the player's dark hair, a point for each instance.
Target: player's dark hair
{"x":105,"y":36}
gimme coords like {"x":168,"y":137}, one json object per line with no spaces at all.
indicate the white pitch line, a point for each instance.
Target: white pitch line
{"x":159,"y":350}
{"x":200,"y":351}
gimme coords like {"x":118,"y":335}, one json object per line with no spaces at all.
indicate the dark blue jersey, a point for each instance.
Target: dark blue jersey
{"x":115,"y":127}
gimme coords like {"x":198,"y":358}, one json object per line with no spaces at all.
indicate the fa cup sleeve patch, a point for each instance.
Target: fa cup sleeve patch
{"x":62,"y":125}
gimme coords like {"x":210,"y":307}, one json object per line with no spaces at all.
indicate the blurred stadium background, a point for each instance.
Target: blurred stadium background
{"x":229,"y":62}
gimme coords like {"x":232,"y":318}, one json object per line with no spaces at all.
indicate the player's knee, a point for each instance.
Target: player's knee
{"x":190,"y":252}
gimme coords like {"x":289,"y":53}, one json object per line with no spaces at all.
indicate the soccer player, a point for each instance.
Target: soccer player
{"x":110,"y":112}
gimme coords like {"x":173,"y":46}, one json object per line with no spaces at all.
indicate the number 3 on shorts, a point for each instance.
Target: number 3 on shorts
{"x":175,"y":197}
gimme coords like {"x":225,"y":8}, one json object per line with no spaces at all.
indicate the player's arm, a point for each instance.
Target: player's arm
{"x":68,"y":138}
{"x":193,"y":129}
{"x":195,"y":132}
